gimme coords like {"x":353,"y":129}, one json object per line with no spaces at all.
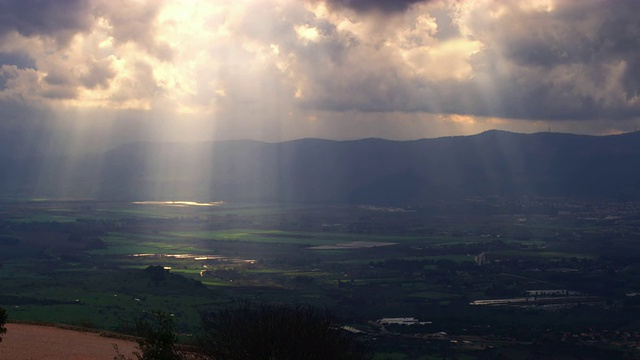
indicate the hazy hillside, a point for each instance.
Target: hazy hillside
{"x":362,"y":171}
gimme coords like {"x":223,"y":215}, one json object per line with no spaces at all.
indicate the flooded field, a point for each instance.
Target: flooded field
{"x":179,"y":203}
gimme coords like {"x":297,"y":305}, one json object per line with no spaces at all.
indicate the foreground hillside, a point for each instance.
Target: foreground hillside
{"x":370,"y":171}
{"x":24,"y":342}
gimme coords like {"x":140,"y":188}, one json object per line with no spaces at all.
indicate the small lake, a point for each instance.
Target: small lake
{"x":179,"y":203}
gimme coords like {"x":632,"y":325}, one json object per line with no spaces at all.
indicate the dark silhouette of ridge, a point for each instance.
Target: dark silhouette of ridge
{"x":369,"y":171}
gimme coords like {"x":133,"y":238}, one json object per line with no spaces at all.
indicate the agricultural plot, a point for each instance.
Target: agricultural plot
{"x":104,"y":264}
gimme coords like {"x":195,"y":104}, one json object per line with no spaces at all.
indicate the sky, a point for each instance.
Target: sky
{"x":96,"y":73}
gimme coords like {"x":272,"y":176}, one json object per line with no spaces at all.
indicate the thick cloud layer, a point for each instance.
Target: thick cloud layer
{"x":279,"y":69}
{"x":389,"y":6}
{"x":59,"y":19}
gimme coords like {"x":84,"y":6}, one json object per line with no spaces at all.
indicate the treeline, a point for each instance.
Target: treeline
{"x":3,"y":320}
{"x":250,"y":331}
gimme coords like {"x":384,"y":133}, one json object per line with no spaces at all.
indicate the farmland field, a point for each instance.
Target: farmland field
{"x":102,"y":265}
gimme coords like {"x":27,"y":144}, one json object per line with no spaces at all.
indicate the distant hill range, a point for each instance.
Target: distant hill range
{"x":369,"y":171}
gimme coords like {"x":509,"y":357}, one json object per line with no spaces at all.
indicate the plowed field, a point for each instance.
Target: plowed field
{"x":27,"y":342}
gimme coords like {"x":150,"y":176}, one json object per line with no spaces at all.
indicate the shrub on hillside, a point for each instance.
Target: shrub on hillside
{"x":3,"y":320}
{"x":265,"y":331}
{"x":158,"y":337}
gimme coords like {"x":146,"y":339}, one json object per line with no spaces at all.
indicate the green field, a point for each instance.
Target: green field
{"x":100,"y":264}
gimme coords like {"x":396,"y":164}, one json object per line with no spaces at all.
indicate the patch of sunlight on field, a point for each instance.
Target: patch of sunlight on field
{"x":175,"y":248}
{"x":216,"y":283}
{"x":297,"y":237}
{"x":189,"y":272}
{"x":258,"y":236}
{"x":127,"y":249}
{"x":127,"y":244}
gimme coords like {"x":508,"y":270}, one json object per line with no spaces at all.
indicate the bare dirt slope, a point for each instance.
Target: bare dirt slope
{"x":27,"y":342}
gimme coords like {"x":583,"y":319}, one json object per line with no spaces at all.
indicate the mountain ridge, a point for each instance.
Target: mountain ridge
{"x":364,"y":171}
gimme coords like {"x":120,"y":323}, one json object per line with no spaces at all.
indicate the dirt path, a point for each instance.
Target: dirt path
{"x":35,"y":342}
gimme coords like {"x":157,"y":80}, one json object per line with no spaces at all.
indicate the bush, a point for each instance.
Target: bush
{"x":158,"y":337}
{"x":262,"y":332}
{"x":3,"y":320}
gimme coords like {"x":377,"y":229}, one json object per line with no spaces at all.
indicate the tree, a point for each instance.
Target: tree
{"x":156,"y":272}
{"x":158,"y":337}
{"x":3,"y":320}
{"x":268,"y":332}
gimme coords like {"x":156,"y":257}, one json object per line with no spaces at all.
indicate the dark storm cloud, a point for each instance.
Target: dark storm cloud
{"x":593,"y":45}
{"x":572,"y":34}
{"x":620,"y":37}
{"x":581,"y":60}
{"x":508,"y":96}
{"x":388,"y":6}
{"x":59,"y":19}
